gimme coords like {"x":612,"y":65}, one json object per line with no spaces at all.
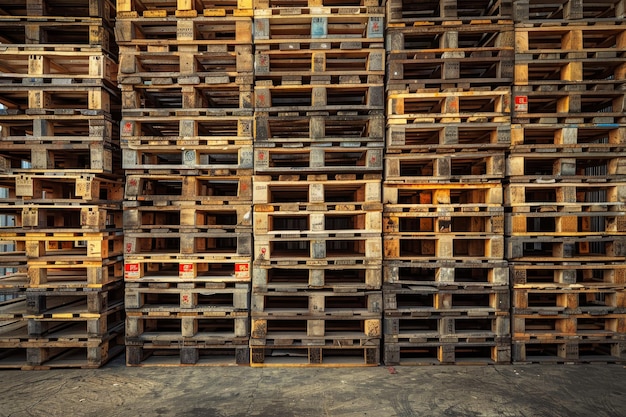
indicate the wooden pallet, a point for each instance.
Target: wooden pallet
{"x":323,"y":128}
{"x":550,"y":300}
{"x":59,"y":217}
{"x":318,"y":160}
{"x":75,"y":274}
{"x":463,"y":353}
{"x":187,"y":157}
{"x":563,"y":196}
{"x":427,"y":301}
{"x":568,"y":352}
{"x":450,"y":106}
{"x":338,"y":278}
{"x":186,"y":101}
{"x":543,"y":137}
{"x":131,"y":29}
{"x":323,"y":189}
{"x":65,"y":303}
{"x":70,"y":245}
{"x":318,"y":250}
{"x":405,"y":135}
{"x":277,"y":303}
{"x":209,"y":326}
{"x":560,"y":223}
{"x":539,"y":327}
{"x":185,"y":8}
{"x":187,"y":268}
{"x":49,"y":188}
{"x":279,"y":220}
{"x":220,"y":188}
{"x":42,"y":8}
{"x":267,"y":4}
{"x":285,"y":330}
{"x":445,"y":167}
{"x":570,"y":11}
{"x":490,"y":220}
{"x":539,"y":248}
{"x":569,"y":273}
{"x":55,"y":355}
{"x":186,"y":297}
{"x":315,"y":23}
{"x":191,"y":64}
{"x":184,"y":353}
{"x":420,"y":246}
{"x":406,"y":12}
{"x":182,"y":216}
{"x":477,"y":197}
{"x":447,"y":274}
{"x":338,"y":353}
{"x":189,"y":242}
{"x":143,"y":128}
{"x":319,"y":97}
{"x":446,"y":328}
{"x":58,"y":30}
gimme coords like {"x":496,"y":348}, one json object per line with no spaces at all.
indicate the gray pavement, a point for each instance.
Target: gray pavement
{"x":456,"y":391}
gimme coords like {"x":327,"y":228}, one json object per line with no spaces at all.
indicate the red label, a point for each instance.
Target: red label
{"x":242,"y":271}
{"x":132,"y":271}
{"x":521,"y":103}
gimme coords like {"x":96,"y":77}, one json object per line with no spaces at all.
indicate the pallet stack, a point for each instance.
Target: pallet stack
{"x":450,"y":68}
{"x":567,"y":188}
{"x":61,"y":177}
{"x":186,"y":80}
{"x":319,"y":74}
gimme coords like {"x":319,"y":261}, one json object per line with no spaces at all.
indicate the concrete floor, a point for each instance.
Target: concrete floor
{"x":456,"y":391}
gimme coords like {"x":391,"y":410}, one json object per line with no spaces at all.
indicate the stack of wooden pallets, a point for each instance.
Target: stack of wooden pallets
{"x":319,"y":73}
{"x":186,"y":80}
{"x":446,"y":295}
{"x":61,"y":175}
{"x":565,"y":238}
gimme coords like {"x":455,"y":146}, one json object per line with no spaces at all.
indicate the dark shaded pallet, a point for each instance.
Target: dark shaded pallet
{"x":285,"y":220}
{"x":586,"y":274}
{"x":570,"y":11}
{"x":573,"y":300}
{"x":442,"y":353}
{"x":186,"y":297}
{"x":540,"y":248}
{"x":425,"y":301}
{"x":45,"y":358}
{"x":561,"y":223}
{"x":287,"y":329}
{"x":447,"y":275}
{"x":447,"y":328}
{"x":187,"y":354}
{"x":443,"y":11}
{"x":471,"y":246}
{"x":338,"y":278}
{"x":443,"y":221}
{"x":55,"y":8}
{"x":266,"y":4}
{"x":318,"y":160}
{"x":301,"y":128}
{"x":337,"y":353}
{"x":568,"y":352}
{"x":313,"y":303}
{"x":432,"y":197}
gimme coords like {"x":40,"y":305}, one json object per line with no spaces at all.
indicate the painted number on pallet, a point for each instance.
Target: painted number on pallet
{"x":521,"y":103}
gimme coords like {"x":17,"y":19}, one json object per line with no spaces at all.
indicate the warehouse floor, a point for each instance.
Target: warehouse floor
{"x":115,"y":390}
